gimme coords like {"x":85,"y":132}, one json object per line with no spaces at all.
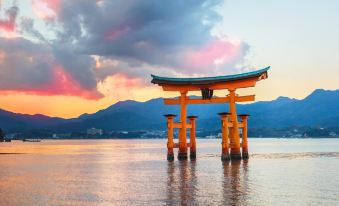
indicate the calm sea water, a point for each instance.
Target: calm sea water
{"x":135,"y":172}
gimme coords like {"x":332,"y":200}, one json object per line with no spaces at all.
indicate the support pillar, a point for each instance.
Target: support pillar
{"x":234,"y":131}
{"x":182,"y":154}
{"x":192,"y":120}
{"x":170,"y":136}
{"x":225,"y":156}
{"x":244,"y":144}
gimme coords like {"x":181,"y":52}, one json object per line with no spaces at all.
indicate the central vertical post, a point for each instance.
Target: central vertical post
{"x":234,"y":134}
{"x":182,"y":154}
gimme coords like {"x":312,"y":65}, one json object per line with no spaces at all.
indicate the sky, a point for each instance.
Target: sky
{"x":65,"y":58}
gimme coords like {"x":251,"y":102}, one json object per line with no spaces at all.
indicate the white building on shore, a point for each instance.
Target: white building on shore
{"x":94,"y":131}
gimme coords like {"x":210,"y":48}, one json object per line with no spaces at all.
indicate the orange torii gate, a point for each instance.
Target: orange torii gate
{"x":229,"y":120}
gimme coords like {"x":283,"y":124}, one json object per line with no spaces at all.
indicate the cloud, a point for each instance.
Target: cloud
{"x":46,"y":9}
{"x":94,"y":42}
{"x":41,"y":69}
{"x":171,"y":34}
{"x":217,"y":55}
{"x":150,"y":32}
{"x":27,"y":26}
{"x":7,"y":24}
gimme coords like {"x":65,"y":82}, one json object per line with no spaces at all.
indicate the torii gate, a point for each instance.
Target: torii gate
{"x":230,"y":124}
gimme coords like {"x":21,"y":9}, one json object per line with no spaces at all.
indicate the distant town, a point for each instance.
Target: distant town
{"x":97,"y":133}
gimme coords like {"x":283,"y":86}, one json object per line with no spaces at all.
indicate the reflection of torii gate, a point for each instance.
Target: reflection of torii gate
{"x":230,"y":125}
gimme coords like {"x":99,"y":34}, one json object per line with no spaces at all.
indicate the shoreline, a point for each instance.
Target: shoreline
{"x":200,"y":138}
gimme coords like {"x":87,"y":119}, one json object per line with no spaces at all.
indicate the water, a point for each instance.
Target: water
{"x":135,"y":172}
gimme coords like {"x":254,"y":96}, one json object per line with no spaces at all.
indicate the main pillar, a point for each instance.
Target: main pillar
{"x":244,"y":143}
{"x":182,"y":154}
{"x":234,"y":131}
{"x":225,"y":155}
{"x":170,"y":136}
{"x":192,"y":120}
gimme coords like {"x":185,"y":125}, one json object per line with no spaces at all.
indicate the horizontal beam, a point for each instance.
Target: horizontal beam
{"x":247,"y":98}
{"x":178,"y":125}
{"x":240,"y":125}
{"x":213,"y":100}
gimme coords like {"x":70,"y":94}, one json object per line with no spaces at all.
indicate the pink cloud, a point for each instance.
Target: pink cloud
{"x":124,"y":81}
{"x":116,"y":33}
{"x":46,"y":9}
{"x":216,"y":53}
{"x":120,"y":85}
{"x":61,"y":83}
{"x":8,"y":24}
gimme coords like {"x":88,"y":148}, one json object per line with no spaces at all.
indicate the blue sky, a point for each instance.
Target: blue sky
{"x":299,"y":39}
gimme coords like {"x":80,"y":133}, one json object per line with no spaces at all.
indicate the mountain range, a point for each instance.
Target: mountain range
{"x":320,"y":108}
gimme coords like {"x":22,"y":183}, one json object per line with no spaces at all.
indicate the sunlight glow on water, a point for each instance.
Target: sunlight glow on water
{"x":135,"y":172}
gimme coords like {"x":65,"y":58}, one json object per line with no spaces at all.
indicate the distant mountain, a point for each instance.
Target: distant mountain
{"x":320,"y":108}
{"x":19,"y":122}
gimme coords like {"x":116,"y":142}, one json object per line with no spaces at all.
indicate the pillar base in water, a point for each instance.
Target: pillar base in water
{"x":170,"y":157}
{"x":193,"y":155}
{"x":225,"y":157}
{"x":182,"y":156}
{"x":245,"y":155}
{"x":235,"y":156}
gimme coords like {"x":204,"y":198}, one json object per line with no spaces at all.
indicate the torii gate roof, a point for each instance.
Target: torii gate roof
{"x":260,"y":74}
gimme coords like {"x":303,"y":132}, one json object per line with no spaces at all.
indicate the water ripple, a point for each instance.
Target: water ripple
{"x":296,"y":155}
